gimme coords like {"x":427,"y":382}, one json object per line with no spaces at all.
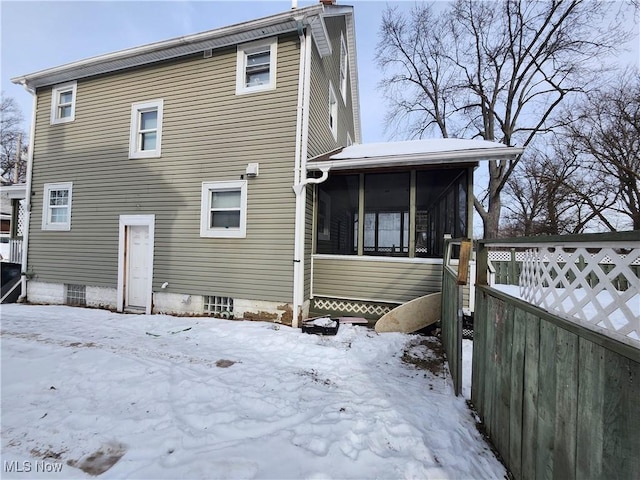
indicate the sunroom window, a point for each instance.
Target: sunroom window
{"x":440,"y":205}
{"x":441,"y":208}
{"x":386,"y":218}
{"x":336,"y":218}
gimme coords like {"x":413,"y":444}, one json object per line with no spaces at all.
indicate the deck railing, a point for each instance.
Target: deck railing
{"x":15,"y":250}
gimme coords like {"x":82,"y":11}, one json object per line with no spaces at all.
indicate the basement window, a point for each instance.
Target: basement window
{"x":218,"y":306}
{"x":76,"y":295}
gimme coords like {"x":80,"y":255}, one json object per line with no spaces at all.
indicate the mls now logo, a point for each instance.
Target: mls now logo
{"x":28,"y":466}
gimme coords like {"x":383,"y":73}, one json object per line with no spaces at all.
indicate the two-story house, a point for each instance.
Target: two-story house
{"x":208,"y":174}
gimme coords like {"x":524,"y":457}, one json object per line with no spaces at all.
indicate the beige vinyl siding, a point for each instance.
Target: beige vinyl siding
{"x":209,"y":134}
{"x":379,"y":280}
{"x":324,"y":70}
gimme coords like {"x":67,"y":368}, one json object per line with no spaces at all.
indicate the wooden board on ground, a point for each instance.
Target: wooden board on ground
{"x":353,"y":320}
{"x":411,"y":316}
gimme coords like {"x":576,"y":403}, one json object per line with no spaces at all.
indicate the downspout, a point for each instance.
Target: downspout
{"x":300,"y":169}
{"x":27,"y":203}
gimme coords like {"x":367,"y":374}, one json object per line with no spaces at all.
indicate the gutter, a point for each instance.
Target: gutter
{"x":27,"y":204}
{"x":304,"y":88}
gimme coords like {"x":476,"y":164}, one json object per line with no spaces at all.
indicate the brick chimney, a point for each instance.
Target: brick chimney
{"x":328,"y":2}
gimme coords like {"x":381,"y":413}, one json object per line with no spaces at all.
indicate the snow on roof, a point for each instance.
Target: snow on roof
{"x":413,"y":153}
{"x":414,"y":147}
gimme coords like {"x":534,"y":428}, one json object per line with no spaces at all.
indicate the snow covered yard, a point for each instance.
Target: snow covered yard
{"x":89,"y":392}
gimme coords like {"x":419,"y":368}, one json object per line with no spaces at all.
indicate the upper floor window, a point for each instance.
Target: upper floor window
{"x":145,"y":135}
{"x":63,"y":103}
{"x":56,"y":206}
{"x":333,"y":112}
{"x":223,"y":209}
{"x":343,"y":68}
{"x":256,"y":66}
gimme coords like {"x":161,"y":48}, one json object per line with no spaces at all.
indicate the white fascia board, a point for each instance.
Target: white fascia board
{"x":433,"y":158}
{"x":353,"y":74}
{"x":18,"y":191}
{"x":167,"y":49}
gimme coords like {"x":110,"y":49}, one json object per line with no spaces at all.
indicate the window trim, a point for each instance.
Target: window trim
{"x":241,"y":65}
{"x":134,"y":128}
{"x":344,"y":68}
{"x":46,"y":207}
{"x":333,"y":111}
{"x":55,"y":102}
{"x":205,"y":209}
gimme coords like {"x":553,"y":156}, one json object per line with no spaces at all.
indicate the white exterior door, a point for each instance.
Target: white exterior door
{"x":137,"y":274}
{"x":135,"y":262}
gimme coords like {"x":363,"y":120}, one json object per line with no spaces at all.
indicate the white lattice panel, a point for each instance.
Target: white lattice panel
{"x":20,"y":221}
{"x":348,"y":306}
{"x":577,"y":285}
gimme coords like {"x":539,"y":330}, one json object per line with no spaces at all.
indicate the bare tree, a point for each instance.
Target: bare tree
{"x":13,"y":145}
{"x":604,"y":130}
{"x":492,"y":70}
{"x":551,"y":194}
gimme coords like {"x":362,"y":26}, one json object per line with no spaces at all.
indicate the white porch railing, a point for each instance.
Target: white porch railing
{"x":15,"y":250}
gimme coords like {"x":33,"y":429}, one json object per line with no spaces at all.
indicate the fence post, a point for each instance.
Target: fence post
{"x":513,"y":268}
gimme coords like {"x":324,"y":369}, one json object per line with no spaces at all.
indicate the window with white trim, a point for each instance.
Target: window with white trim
{"x":223,"y":211}
{"x":256,"y":66}
{"x":343,"y":68}
{"x":145,"y":136}
{"x":333,"y":112}
{"x":63,"y":103}
{"x":56,"y":206}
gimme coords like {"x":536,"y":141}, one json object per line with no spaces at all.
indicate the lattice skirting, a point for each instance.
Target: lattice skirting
{"x":369,"y":310}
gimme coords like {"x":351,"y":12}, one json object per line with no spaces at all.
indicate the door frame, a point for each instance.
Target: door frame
{"x":125,"y":222}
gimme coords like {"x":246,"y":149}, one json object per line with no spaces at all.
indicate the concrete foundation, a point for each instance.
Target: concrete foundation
{"x":168,"y":303}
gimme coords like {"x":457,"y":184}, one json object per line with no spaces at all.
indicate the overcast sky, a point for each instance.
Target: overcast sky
{"x":43,"y":34}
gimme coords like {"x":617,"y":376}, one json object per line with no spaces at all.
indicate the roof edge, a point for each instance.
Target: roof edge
{"x":39,"y":78}
{"x":453,"y":156}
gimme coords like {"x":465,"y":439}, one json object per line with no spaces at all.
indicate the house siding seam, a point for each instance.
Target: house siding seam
{"x":203,"y":122}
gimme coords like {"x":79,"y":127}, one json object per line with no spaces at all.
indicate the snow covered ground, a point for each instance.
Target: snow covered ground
{"x":127,"y":396}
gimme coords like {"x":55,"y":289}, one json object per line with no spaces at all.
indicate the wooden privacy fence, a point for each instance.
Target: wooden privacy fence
{"x":454,"y":277}
{"x":555,"y":379}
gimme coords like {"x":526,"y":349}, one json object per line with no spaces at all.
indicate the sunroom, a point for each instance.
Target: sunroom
{"x":381,"y":216}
